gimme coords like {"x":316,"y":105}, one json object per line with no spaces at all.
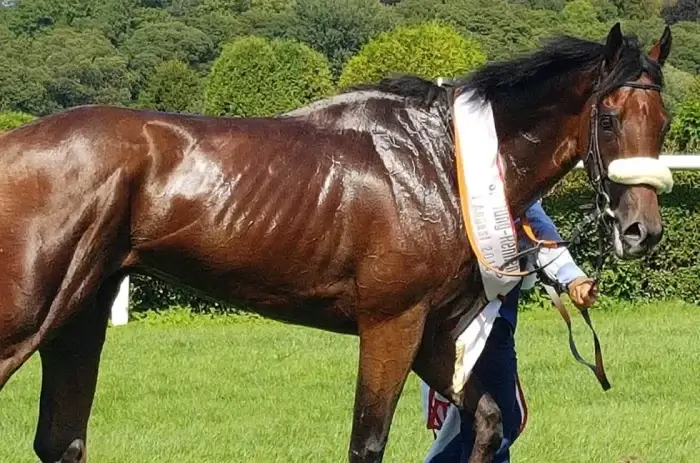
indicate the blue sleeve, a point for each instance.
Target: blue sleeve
{"x":542,"y":225}
{"x":563,"y":270}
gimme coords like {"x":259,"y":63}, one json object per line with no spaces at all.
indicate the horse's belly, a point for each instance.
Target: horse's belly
{"x":275,"y":250}
{"x":302,"y":285}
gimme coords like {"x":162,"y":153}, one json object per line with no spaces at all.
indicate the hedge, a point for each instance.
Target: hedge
{"x":11,"y":120}
{"x":684,"y":135}
{"x":429,"y":50}
{"x":256,"y":76}
{"x":173,"y":87}
{"x":672,"y":271}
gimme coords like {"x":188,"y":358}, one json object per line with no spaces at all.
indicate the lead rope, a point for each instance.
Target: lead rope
{"x":598,"y":368}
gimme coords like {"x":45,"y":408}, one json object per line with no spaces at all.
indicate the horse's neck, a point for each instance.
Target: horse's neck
{"x":536,"y":159}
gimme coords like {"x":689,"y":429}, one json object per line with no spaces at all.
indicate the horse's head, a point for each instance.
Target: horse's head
{"x":622,"y":136}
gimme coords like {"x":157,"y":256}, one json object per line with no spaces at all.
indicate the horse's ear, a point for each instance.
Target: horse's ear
{"x":661,"y":49}
{"x":613,"y":46}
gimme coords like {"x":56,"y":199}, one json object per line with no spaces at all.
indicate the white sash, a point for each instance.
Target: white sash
{"x":487,"y":218}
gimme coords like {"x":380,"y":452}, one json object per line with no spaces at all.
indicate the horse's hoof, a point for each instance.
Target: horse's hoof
{"x":75,"y":453}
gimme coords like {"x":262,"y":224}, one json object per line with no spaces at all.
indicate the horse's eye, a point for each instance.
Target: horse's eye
{"x":606,"y":122}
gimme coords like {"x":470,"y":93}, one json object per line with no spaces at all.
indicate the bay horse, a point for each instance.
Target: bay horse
{"x":343,"y":216}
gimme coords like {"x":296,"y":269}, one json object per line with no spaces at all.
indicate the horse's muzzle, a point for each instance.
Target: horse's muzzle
{"x":636,"y":184}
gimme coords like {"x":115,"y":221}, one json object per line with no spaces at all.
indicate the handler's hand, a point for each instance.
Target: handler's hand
{"x":582,"y":292}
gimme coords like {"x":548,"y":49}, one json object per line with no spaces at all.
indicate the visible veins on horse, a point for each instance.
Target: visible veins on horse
{"x":531,"y":138}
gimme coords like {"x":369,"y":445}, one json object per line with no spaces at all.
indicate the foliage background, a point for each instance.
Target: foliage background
{"x":261,"y":57}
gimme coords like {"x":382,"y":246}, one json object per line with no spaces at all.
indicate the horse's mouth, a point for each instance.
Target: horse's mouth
{"x":618,"y":245}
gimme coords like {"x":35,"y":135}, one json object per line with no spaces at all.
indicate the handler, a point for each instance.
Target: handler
{"x":497,"y":367}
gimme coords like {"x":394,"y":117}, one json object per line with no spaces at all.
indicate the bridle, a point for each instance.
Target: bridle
{"x":593,"y":161}
{"x":597,"y":172}
{"x":601,"y":216}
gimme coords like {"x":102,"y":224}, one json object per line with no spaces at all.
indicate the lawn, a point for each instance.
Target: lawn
{"x":222,"y":390}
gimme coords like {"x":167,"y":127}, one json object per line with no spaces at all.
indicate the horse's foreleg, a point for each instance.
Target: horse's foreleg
{"x":70,"y":364}
{"x":387,"y":350}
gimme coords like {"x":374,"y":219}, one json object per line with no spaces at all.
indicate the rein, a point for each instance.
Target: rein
{"x":602,"y":216}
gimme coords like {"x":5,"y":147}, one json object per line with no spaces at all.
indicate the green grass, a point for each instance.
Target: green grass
{"x":212,"y":390}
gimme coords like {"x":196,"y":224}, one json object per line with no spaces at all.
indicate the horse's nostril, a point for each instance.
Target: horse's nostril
{"x":635,"y":233}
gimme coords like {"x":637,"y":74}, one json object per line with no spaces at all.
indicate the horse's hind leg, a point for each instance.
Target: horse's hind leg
{"x":58,"y":263}
{"x":488,"y":423}
{"x":69,"y":376}
{"x":435,"y":364}
{"x":387,"y":349}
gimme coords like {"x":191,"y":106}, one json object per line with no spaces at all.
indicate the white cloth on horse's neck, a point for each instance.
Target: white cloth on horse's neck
{"x":642,"y":171}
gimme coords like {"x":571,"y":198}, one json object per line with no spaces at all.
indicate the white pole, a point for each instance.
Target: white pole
{"x":674,"y":161}
{"x":120,"y":308}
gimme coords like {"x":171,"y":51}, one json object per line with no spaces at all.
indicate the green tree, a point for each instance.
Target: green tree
{"x":22,"y":88}
{"x":153,"y":43}
{"x":338,"y":28}
{"x":83,"y":68}
{"x":679,"y":86}
{"x":681,"y":10}
{"x":581,"y":18}
{"x":268,"y":18}
{"x":32,"y":16}
{"x":183,"y":7}
{"x":607,"y":12}
{"x":174,"y":87}
{"x":429,"y":50}
{"x":145,"y":16}
{"x":220,"y":21}
{"x":115,"y":19}
{"x":417,"y":11}
{"x":638,"y":9}
{"x":21,"y":85}
{"x":685,"y":53}
{"x":502,"y":29}
{"x":156,"y":42}
{"x":554,"y":5}
{"x":256,"y":76}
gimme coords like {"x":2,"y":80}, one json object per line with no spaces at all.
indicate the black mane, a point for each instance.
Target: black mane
{"x":535,"y":80}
